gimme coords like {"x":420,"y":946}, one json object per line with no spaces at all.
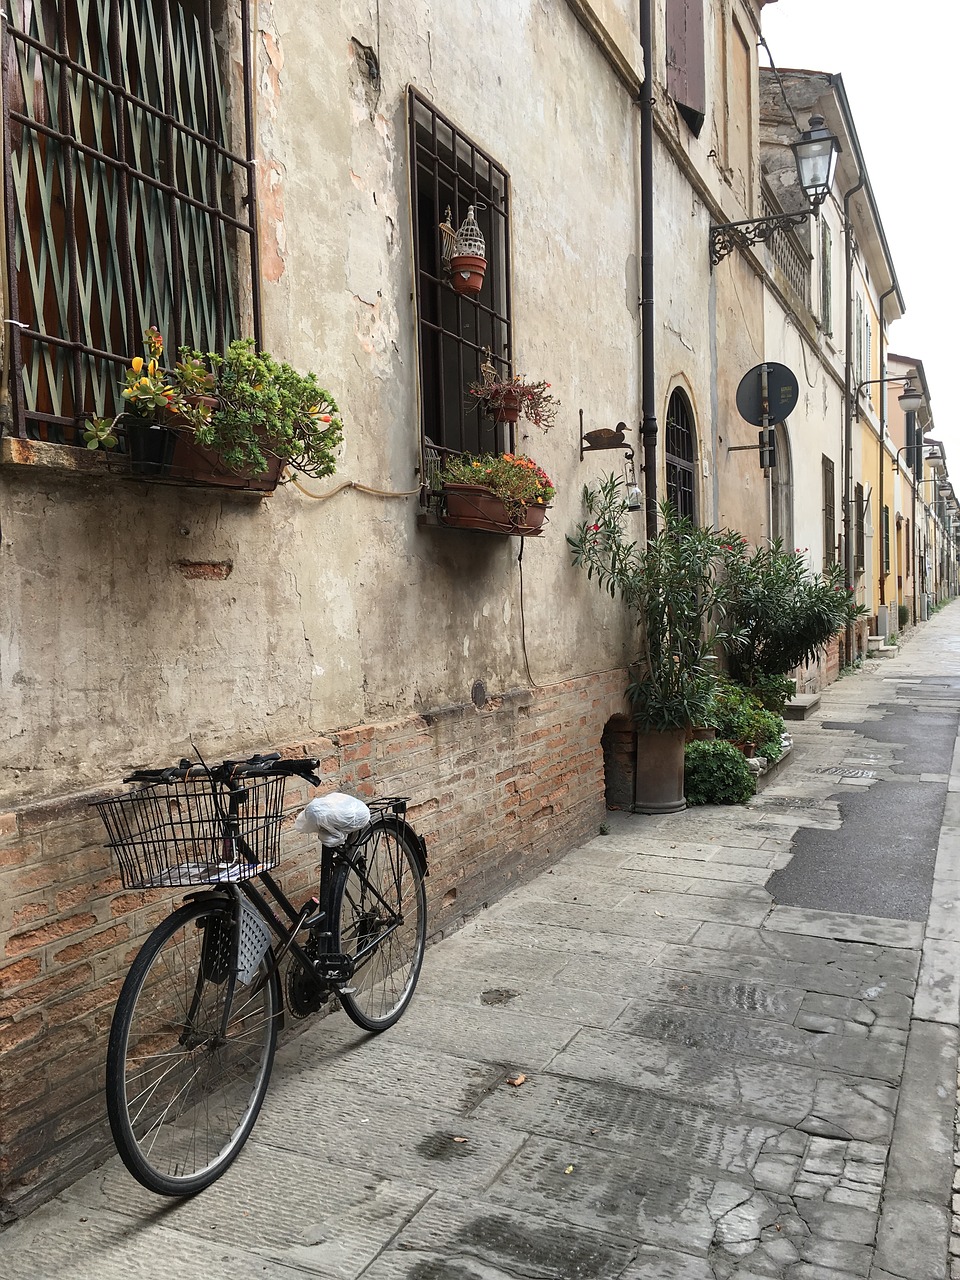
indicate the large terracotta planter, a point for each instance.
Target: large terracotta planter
{"x":172,"y":454}
{"x":196,"y":463}
{"x":472,"y":506}
{"x":659,"y":782}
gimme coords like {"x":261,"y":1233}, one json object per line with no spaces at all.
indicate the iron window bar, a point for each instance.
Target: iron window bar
{"x":455,"y":334}
{"x":77,"y":144}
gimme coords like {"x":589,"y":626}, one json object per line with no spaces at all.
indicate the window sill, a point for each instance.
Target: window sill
{"x":67,"y":460}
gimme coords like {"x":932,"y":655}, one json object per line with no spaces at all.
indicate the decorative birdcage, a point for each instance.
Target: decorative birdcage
{"x":468,"y":261}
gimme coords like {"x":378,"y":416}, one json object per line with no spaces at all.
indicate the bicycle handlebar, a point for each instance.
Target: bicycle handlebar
{"x":258,"y":766}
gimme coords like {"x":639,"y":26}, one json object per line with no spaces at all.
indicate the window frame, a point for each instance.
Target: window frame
{"x":885,"y":552}
{"x":457,"y":334}
{"x":826,"y":279}
{"x":859,"y":530}
{"x":140,"y":165}
{"x":680,"y":427}
{"x":828,"y":477}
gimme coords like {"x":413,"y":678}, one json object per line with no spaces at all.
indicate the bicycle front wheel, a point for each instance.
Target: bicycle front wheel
{"x":380,"y":920}
{"x":186,"y":1074}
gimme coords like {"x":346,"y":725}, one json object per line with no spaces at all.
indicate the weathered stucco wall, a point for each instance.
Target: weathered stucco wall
{"x":137,"y":620}
{"x":322,"y":614}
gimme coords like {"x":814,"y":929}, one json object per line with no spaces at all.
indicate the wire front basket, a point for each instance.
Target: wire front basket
{"x":182,"y":832}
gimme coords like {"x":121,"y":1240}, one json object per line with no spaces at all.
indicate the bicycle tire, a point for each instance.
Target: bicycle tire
{"x":380,"y":895}
{"x":182,"y":1102}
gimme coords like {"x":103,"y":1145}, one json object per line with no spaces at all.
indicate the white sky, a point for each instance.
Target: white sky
{"x":901,"y":70}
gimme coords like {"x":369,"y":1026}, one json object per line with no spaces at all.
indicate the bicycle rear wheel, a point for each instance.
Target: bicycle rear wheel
{"x":183,"y":1090}
{"x":380,"y":919}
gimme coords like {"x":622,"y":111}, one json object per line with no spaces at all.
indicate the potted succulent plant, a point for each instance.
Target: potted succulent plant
{"x":498,"y":493}
{"x":674,"y":586}
{"x":234,"y":419}
{"x":508,"y":399}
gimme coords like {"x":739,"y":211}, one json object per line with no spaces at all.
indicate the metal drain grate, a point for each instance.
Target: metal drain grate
{"x":840,"y":772}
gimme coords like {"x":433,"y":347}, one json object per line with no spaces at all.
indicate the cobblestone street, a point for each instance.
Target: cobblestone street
{"x":650,"y":1063}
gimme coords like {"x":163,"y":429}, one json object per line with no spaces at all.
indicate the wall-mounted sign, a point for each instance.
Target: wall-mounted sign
{"x":782,"y":393}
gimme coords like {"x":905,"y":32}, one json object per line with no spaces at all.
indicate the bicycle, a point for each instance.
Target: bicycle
{"x":194,"y":1032}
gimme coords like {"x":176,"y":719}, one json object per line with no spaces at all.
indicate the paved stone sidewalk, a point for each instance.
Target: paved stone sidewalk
{"x":715,"y":1087}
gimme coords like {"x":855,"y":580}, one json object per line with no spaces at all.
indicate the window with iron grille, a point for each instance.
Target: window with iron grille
{"x":859,"y":539}
{"x":680,"y":456}
{"x":829,"y":512}
{"x":130,"y":200}
{"x":456,"y":333}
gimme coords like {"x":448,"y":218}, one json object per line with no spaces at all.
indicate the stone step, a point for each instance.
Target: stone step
{"x":801,"y":705}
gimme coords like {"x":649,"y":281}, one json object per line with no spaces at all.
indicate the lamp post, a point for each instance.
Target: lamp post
{"x":815,"y":153}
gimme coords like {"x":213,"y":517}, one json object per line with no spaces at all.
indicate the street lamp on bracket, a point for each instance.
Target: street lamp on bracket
{"x":910,"y":398}
{"x":815,"y":153}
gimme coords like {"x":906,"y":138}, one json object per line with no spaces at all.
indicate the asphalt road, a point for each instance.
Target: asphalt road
{"x":880,"y":862}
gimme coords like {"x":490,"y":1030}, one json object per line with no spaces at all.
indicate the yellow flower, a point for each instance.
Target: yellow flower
{"x":136,"y":364}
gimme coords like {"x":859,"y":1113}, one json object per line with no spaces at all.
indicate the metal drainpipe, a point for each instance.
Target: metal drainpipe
{"x":915,"y":548}
{"x":883,"y":429}
{"x":647,"y":347}
{"x":849,"y":392}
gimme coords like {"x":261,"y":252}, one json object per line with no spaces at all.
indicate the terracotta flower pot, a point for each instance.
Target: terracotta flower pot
{"x":508,"y":410}
{"x":466,"y":274}
{"x":473,"y":506}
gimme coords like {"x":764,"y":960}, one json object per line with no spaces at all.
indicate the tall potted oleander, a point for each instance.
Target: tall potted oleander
{"x":674,"y":587}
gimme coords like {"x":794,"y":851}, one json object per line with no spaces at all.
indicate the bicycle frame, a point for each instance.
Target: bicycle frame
{"x":331,"y":968}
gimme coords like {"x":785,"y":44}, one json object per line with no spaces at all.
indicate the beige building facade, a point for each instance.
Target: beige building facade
{"x":283,"y":174}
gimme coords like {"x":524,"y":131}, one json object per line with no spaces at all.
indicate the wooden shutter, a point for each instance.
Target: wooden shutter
{"x":686,"y":77}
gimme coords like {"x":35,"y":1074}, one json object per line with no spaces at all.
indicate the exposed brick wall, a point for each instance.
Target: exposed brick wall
{"x":498,"y":793}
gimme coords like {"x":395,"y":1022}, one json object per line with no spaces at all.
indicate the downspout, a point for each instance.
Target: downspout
{"x":647,"y":347}
{"x":849,"y":392}
{"x":883,"y":431}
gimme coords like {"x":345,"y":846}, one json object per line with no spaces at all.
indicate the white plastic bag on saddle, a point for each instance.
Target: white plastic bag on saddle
{"x":333,"y":818}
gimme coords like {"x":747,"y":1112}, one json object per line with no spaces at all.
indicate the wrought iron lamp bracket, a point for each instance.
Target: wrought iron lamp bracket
{"x":727,"y":236}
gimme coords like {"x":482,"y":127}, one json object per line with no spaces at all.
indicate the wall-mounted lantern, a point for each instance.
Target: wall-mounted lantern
{"x":815,"y":153}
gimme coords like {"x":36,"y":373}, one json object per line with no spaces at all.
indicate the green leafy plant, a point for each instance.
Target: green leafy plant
{"x":774,"y":692}
{"x":100,"y":433}
{"x":533,"y":399}
{"x":266,"y":407}
{"x":739,"y":717}
{"x":243,"y":403}
{"x":779,"y":613}
{"x":716,"y":773}
{"x":903,"y":616}
{"x":516,"y":480}
{"x":675,"y":587}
